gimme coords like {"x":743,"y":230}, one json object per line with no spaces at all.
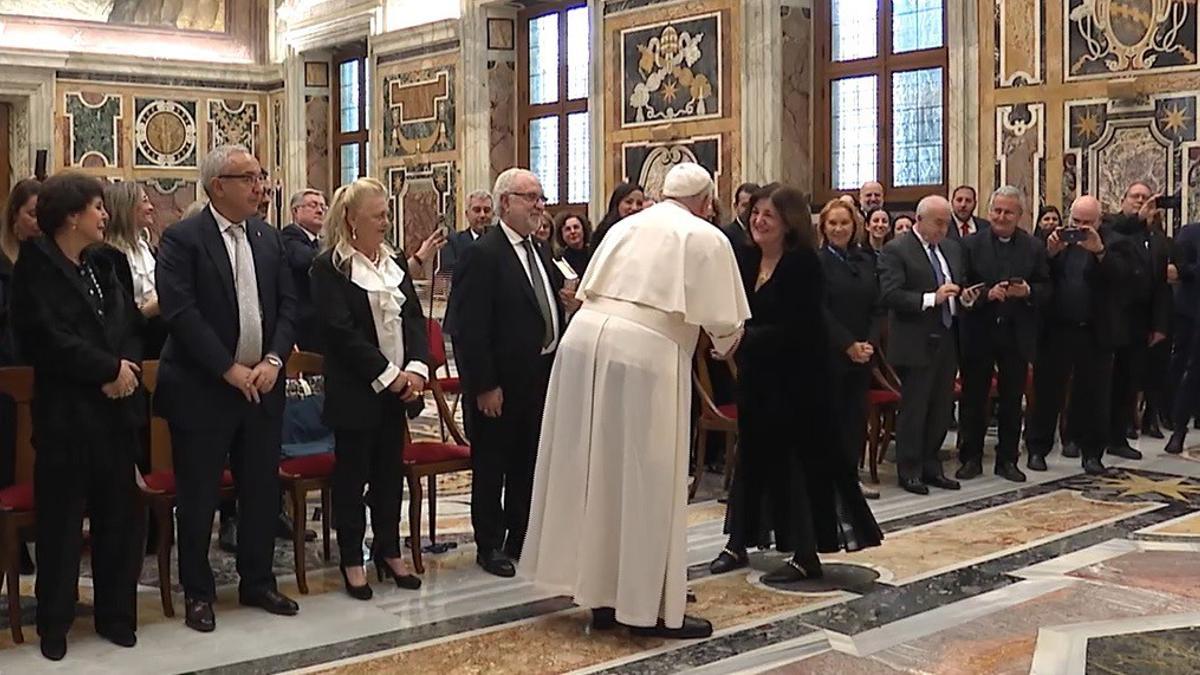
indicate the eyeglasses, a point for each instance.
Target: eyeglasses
{"x":534,"y":197}
{"x":251,"y":178}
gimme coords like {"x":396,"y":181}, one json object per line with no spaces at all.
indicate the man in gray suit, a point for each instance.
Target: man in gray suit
{"x":917,"y":277}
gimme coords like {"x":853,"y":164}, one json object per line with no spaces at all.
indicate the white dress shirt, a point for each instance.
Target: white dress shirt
{"x":518,"y":244}
{"x":928,"y":300}
{"x":972,"y":227}
{"x":141,"y":265}
{"x":224,"y":224}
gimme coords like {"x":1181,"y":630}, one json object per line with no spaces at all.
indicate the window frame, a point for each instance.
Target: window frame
{"x":883,"y":65}
{"x":355,"y":52}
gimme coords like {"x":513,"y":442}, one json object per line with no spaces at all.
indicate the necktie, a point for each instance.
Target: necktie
{"x":940,"y":279}
{"x":966,"y":229}
{"x":539,"y":292}
{"x":249,"y":344}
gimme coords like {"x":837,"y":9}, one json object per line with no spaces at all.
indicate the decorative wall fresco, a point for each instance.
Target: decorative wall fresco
{"x":164,"y":133}
{"x":233,"y":122}
{"x":316,"y":147}
{"x":671,"y":70}
{"x":1020,"y":33}
{"x":1021,"y":159}
{"x":502,"y":135}
{"x":92,"y":129}
{"x":171,"y":197}
{"x":423,"y":199}
{"x":419,"y":113}
{"x":1105,"y":37}
{"x":204,"y":15}
{"x":647,"y":163}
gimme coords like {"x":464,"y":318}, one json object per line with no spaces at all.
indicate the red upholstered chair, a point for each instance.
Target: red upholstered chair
{"x":883,"y":403}
{"x":722,"y":419}
{"x":300,"y":475}
{"x":16,"y":501}
{"x":450,"y":384}
{"x":429,"y":459}
{"x":158,"y":488}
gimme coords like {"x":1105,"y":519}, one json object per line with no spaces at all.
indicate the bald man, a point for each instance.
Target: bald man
{"x":870,"y":196}
{"x":1083,"y":324}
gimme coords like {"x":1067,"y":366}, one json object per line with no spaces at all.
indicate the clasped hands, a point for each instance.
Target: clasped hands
{"x":860,"y":352}
{"x":253,"y":382}
{"x":126,"y":382}
{"x":408,"y":385}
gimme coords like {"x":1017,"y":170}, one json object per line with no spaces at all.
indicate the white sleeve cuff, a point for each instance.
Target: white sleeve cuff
{"x":386,"y":378}
{"x":418,"y":368}
{"x":927,"y":300}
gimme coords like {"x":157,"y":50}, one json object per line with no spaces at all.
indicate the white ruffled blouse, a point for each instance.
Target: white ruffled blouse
{"x":141,"y":264}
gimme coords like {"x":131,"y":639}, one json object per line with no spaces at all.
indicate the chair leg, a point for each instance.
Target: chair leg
{"x":326,"y":505}
{"x":431,"y":482}
{"x":873,"y":442}
{"x":298,"y":526}
{"x":701,"y":449}
{"x":414,"y":521}
{"x":166,"y":529}
{"x":12,"y":569}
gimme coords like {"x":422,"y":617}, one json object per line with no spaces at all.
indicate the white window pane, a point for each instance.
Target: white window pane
{"x":916,"y":24}
{"x":578,"y":53}
{"x":349,"y":163}
{"x":855,"y":29}
{"x":543,"y":154}
{"x":348,"y":96}
{"x":543,"y":59}
{"x":917,"y":127}
{"x":579,"y":159}
{"x":855,"y":117}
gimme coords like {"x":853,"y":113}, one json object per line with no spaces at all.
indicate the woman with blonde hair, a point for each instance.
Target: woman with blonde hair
{"x":376,"y":366}
{"x":130,"y":218}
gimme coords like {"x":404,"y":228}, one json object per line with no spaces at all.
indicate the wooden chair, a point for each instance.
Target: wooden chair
{"x":883,"y":403}
{"x":429,"y":459}
{"x":16,"y":500}
{"x":300,"y":475}
{"x":722,"y":419}
{"x":450,"y":384}
{"x":158,"y":488}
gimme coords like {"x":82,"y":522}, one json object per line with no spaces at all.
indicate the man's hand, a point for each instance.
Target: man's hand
{"x":238,"y":377}
{"x":1149,"y":211}
{"x":1055,"y":244}
{"x":491,"y":403}
{"x":1156,"y":337}
{"x":1172,"y":273}
{"x":408,"y":385}
{"x":860,"y":352}
{"x":1092,"y":243}
{"x":945,"y":292}
{"x":999,"y":292}
{"x":263,"y":376}
{"x":1020,"y":290}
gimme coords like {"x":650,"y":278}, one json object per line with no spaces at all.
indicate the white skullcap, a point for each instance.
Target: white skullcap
{"x":686,"y":180}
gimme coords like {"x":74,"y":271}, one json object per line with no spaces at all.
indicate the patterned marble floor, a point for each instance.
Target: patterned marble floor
{"x":1063,"y":574}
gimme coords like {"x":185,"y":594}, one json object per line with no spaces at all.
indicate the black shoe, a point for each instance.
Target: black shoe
{"x":1175,"y":445}
{"x":54,"y":647}
{"x":272,"y":601}
{"x":121,"y":636}
{"x":1036,"y":463}
{"x":914,"y":486}
{"x":284,"y":528}
{"x":728,"y":561}
{"x":1070,"y":450}
{"x":693,"y":628}
{"x":604,"y":618}
{"x":1124,"y":451}
{"x":227,"y":539}
{"x":27,"y":566}
{"x":407,"y":581}
{"x":1131,"y":432}
{"x":791,"y":572}
{"x":1150,"y":430}
{"x":199,"y":615}
{"x":970,"y":469}
{"x":942,"y":482}
{"x":363,"y":592}
{"x":495,"y":562}
{"x":1093,"y":467}
{"x":1009,"y":471}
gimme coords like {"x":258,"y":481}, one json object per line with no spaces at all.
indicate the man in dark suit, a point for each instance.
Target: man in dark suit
{"x":964,"y":200}
{"x":226,"y":294}
{"x":479,"y":218}
{"x":1184,"y":274}
{"x":917,"y":278}
{"x":999,"y":330}
{"x":738,"y":230}
{"x":506,"y":295}
{"x":301,"y":240}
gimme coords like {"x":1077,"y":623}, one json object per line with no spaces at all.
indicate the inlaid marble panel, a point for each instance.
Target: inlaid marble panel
{"x":1163,"y":571}
{"x":171,"y":197}
{"x":797,"y":97}
{"x":92,"y":129}
{"x":316,"y":147}
{"x":1021,"y":154}
{"x":1162,"y":651}
{"x":1107,"y":37}
{"x":647,"y":163}
{"x":233,"y":122}
{"x":423,"y":199}
{"x":164,"y":133}
{"x":1020,"y":27}
{"x":502,"y":136}
{"x":419,"y":112}
{"x":672,"y":70}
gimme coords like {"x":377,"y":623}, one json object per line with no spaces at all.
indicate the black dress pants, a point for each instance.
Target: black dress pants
{"x":250,"y":443}
{"x":850,"y":384}
{"x":1129,"y":373}
{"x":93,"y":478}
{"x":925,"y":409}
{"x":1071,"y":354}
{"x":1181,"y":348}
{"x":368,"y":456}
{"x":1005,"y":360}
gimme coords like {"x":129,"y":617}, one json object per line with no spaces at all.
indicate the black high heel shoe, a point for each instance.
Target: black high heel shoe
{"x":363,"y":592}
{"x":408,"y":581}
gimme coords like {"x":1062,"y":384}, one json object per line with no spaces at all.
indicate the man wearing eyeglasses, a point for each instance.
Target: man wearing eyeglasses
{"x":301,"y":240}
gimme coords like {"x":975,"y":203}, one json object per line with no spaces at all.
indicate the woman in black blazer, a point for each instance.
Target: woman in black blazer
{"x":78,"y":327}
{"x":376,"y":364}
{"x":851,"y":293}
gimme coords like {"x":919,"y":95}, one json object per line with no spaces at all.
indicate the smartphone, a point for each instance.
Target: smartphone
{"x":1170,"y":202}
{"x":975,"y":287}
{"x":1072,"y":235}
{"x":1017,"y":281}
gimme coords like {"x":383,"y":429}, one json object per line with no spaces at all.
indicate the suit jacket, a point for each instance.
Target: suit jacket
{"x":851,"y":298}
{"x":981,"y":225}
{"x":1148,"y":297}
{"x":737,"y":234}
{"x":1029,"y":262}
{"x":8,"y":346}
{"x":74,"y":349}
{"x":198,"y":299}
{"x":456,"y":246}
{"x":1185,"y":253}
{"x":300,"y":250}
{"x":353,"y":359}
{"x":499,"y":327}
{"x":905,"y":276}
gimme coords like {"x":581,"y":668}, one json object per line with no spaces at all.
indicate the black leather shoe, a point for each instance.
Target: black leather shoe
{"x":969,"y":470}
{"x":54,"y":647}
{"x":942,"y":482}
{"x":1070,"y":450}
{"x":604,"y":618}
{"x":1124,"y":451}
{"x":1093,"y":467}
{"x":199,"y":615}
{"x":1036,"y":463}
{"x":495,"y":562}
{"x":728,"y":561}
{"x":914,"y":486}
{"x":1151,"y":430}
{"x":1009,"y":471}
{"x":284,"y":528}
{"x":272,"y":601}
{"x":121,"y":636}
{"x":227,"y":539}
{"x":791,"y":572}
{"x":1175,"y":445}
{"x":1131,"y":432}
{"x":693,"y":628}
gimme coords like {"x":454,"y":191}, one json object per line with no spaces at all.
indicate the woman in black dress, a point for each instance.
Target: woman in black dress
{"x":788,"y":452}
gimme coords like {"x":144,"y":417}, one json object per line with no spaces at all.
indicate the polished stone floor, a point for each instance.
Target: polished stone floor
{"x":1063,"y":574}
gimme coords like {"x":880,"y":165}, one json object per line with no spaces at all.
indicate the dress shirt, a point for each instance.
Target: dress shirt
{"x":312,"y":238}
{"x":518,"y":244}
{"x":928,"y":300}
{"x":969,"y":224}
{"x":141,"y":265}
{"x":224,"y":224}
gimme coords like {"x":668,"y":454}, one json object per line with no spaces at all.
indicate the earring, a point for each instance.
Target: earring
{"x":353,"y":232}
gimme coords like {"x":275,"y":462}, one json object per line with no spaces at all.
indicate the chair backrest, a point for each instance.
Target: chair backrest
{"x":17,"y":384}
{"x":437,"y":344}
{"x":305,"y":363}
{"x":160,"y":434}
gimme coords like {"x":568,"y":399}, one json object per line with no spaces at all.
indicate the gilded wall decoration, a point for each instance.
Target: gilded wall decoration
{"x":205,"y":15}
{"x":1020,"y":55}
{"x":423,"y":199}
{"x":316,"y":146}
{"x":233,"y":122}
{"x":171,"y":197}
{"x":164,"y":133}
{"x":503,"y":104}
{"x":419,"y":114}
{"x":647,"y":163}
{"x":1102,"y":37}
{"x":92,"y":129}
{"x":1021,"y":154}
{"x":671,"y":71}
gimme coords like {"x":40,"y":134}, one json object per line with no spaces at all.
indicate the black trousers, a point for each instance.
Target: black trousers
{"x":1154,"y":384}
{"x":368,"y":457}
{"x":503,"y":456}
{"x":1182,"y":332}
{"x":850,"y":384}
{"x":95,"y":478}
{"x":1071,"y":354}
{"x":251,"y":446}
{"x":925,"y":410}
{"x":1005,"y":360}
{"x":1129,"y":374}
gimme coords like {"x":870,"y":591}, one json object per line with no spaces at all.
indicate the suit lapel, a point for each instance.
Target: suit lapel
{"x":214,"y":244}
{"x":921,"y":260}
{"x":509,"y":253}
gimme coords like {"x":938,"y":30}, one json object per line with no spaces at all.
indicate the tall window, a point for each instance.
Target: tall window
{"x":350,"y":96}
{"x":881,"y":73}
{"x":554,"y":139}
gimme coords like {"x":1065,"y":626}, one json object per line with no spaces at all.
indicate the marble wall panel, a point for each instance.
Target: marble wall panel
{"x":419,"y":112}
{"x":647,"y":163}
{"x":672,"y":70}
{"x":233,"y":121}
{"x":316,"y":147}
{"x":797,"y":97}
{"x":1021,"y":154}
{"x":1020,"y":32}
{"x":1107,"y":37}
{"x":171,"y":197}
{"x":164,"y":133}
{"x":423,"y":199}
{"x":203,"y":15}
{"x":503,"y":105}
{"x":91,"y":129}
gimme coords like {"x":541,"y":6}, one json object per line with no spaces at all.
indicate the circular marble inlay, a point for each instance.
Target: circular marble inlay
{"x":166,"y":133}
{"x":837,"y":577}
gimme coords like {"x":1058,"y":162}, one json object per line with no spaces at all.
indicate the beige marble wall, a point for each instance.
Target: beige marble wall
{"x":502,"y":93}
{"x":796,"y":88}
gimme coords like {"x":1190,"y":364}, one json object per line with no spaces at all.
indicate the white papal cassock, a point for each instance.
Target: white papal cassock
{"x":608,"y":521}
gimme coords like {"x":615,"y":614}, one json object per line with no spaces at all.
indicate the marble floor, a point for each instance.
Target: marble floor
{"x":1062,"y":574}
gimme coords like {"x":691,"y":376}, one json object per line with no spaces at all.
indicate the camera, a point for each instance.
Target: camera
{"x":1072,"y":235}
{"x":1170,"y":202}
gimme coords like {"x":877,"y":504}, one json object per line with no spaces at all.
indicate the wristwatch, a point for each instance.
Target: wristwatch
{"x":273,"y":360}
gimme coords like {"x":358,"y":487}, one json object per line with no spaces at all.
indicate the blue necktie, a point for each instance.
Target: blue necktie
{"x":940,"y":278}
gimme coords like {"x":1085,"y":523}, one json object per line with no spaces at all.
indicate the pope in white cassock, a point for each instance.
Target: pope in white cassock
{"x":608,"y":520}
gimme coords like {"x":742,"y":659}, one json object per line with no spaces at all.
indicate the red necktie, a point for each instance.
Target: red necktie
{"x":965,"y":229}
